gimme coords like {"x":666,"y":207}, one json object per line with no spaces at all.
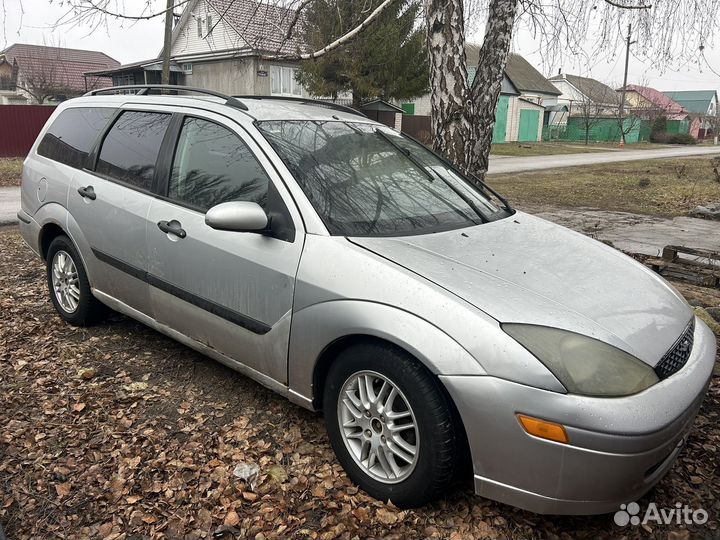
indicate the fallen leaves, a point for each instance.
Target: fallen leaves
{"x":116,"y":432}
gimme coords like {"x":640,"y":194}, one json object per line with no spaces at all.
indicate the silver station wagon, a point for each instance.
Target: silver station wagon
{"x":444,"y":335}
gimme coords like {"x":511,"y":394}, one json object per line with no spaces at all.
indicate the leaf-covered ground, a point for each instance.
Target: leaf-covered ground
{"x":117,"y":432}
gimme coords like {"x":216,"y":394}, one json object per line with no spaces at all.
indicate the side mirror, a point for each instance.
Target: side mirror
{"x":237,"y":216}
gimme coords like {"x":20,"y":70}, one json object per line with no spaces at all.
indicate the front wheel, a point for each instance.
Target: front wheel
{"x":390,"y":424}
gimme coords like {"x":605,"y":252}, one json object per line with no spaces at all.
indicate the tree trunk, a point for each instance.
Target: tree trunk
{"x":462,"y":117}
{"x":449,"y":89}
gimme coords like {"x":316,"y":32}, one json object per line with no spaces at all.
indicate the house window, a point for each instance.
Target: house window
{"x":283,"y":81}
{"x":208,"y":23}
{"x":199,"y":24}
{"x":187,"y":68}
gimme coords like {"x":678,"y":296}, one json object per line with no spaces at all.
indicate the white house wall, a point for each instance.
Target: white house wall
{"x":223,"y":37}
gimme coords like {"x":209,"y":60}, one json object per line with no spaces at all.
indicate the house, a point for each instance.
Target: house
{"x":520,"y":110}
{"x":577,"y":93}
{"x":220,"y":45}
{"x":38,"y":73}
{"x":648,"y":103}
{"x":701,"y":103}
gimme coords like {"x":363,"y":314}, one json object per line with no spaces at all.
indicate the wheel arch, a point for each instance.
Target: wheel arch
{"x":319,"y":332}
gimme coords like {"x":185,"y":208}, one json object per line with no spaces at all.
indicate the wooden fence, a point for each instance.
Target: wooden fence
{"x":19,"y":127}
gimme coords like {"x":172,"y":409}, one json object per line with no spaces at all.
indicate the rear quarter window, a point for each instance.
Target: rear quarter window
{"x":72,"y":135}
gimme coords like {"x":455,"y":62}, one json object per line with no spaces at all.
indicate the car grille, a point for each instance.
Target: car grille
{"x":678,"y":354}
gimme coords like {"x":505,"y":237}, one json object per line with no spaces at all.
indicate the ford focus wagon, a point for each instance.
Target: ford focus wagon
{"x":352,"y":270}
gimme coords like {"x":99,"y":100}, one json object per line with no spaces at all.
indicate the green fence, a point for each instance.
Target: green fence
{"x":601,"y":130}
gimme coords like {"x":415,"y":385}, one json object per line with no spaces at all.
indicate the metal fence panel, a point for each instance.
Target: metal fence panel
{"x":19,"y":127}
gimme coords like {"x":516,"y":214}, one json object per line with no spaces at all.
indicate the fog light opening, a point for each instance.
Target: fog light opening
{"x":543,"y":429}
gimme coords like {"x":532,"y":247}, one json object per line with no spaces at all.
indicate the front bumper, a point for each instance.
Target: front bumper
{"x":619,"y":447}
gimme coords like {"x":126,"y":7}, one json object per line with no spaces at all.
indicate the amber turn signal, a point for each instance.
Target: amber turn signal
{"x":543,"y":429}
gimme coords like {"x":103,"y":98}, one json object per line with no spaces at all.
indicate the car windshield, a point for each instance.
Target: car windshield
{"x":368,"y":180}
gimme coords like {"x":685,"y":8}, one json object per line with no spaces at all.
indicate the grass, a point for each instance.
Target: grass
{"x":526,"y":149}
{"x":10,"y":171}
{"x":662,"y":187}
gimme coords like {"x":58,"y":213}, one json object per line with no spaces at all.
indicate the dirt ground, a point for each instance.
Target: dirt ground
{"x":116,"y":431}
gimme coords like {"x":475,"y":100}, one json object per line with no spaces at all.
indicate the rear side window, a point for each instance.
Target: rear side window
{"x":73,"y":134}
{"x":130,"y":149}
{"x":213,"y":165}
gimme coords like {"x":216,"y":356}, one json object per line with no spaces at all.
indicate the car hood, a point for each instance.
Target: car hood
{"x":524,"y":269}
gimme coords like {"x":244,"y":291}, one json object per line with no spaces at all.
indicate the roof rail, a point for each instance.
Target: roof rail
{"x":318,"y":102}
{"x":143,"y":89}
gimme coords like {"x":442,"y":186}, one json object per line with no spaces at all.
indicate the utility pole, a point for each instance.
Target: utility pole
{"x":170,"y":5}
{"x":622,"y":93}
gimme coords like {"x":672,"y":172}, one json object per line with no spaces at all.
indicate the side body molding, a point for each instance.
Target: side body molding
{"x":316,"y":327}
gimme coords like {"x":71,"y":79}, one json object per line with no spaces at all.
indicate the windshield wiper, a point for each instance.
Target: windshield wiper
{"x":431,"y":175}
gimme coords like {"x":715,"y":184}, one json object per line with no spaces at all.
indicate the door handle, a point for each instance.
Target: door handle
{"x":172,"y":227}
{"x":87,"y":192}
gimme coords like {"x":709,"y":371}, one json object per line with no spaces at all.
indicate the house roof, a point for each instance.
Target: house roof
{"x":68,"y":65}
{"x":472,"y":54}
{"x":672,"y":109}
{"x":380,"y":105}
{"x":592,"y":89}
{"x":262,"y":25}
{"x":695,"y":101}
{"x":144,"y":65}
{"x":526,"y":78}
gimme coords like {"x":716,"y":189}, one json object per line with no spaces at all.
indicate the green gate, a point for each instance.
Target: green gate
{"x":529,"y":124}
{"x":500,"y":129}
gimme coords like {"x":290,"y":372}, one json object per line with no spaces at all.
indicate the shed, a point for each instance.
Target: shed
{"x":383,"y":112}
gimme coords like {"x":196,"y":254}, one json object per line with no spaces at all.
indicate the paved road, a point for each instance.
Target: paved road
{"x":9,"y":204}
{"x":505,"y":164}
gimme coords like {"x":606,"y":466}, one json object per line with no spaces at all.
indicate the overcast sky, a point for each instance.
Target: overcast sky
{"x":129,"y":42}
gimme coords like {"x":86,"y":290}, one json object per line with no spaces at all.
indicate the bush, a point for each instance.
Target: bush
{"x":659,"y":129}
{"x":680,"y":138}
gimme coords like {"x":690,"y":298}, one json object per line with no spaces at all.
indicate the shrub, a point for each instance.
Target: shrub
{"x":659,"y":129}
{"x":681,"y":138}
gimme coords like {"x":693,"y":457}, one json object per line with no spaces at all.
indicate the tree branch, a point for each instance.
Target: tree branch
{"x":623,"y":6}
{"x":338,"y":42}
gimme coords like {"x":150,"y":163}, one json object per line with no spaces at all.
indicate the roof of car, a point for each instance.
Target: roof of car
{"x":258,"y":108}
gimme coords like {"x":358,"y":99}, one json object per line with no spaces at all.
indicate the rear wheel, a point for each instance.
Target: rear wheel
{"x":390,"y":424}
{"x":69,"y":286}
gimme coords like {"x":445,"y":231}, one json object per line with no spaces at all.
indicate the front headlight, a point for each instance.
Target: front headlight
{"x":582,"y":364}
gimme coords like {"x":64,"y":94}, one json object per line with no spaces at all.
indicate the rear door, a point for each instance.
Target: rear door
{"x":232,"y":291}
{"x":110,"y":202}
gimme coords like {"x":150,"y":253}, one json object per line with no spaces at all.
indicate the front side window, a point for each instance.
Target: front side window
{"x":366,"y":180}
{"x":130,"y":149}
{"x":213,"y":165}
{"x":73,"y":134}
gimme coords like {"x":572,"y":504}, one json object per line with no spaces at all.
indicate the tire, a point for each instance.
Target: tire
{"x":75,"y":303}
{"x":436,"y":437}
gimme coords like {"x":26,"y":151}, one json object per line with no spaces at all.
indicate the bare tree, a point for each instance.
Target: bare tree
{"x":463,"y":115}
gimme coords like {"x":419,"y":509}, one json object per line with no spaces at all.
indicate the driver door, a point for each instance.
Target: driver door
{"x":232,"y":291}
